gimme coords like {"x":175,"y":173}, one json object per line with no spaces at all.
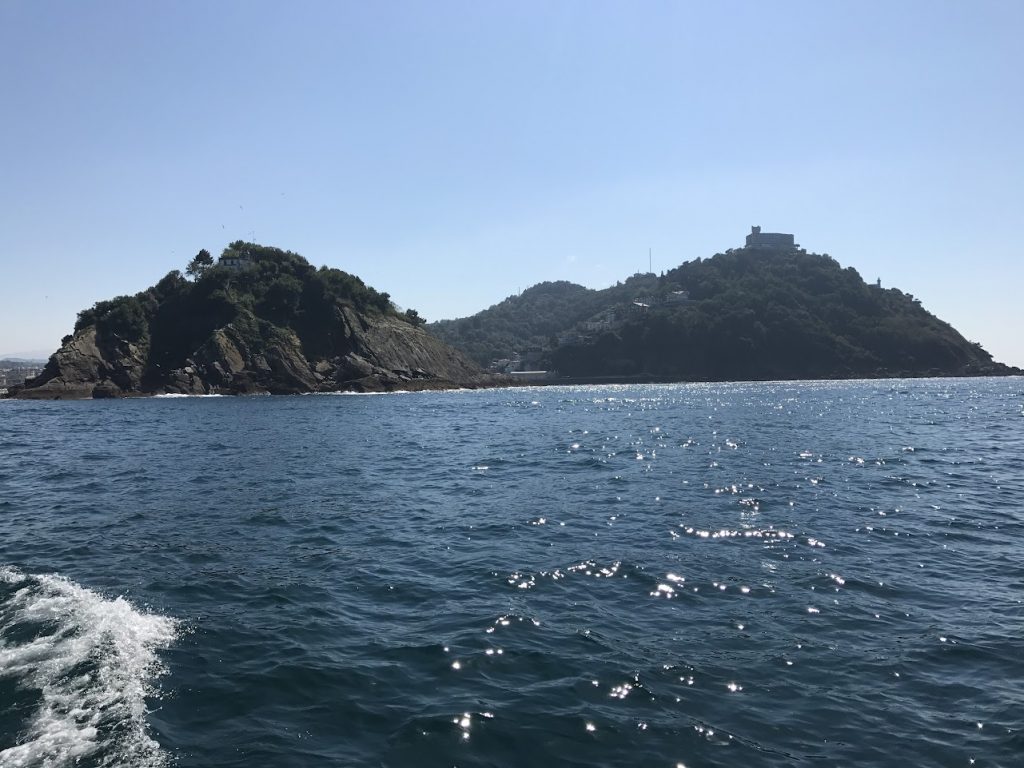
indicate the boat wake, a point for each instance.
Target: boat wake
{"x":79,"y":667}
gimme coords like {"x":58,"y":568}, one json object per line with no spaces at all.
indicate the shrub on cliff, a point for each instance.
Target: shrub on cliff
{"x":122,"y":317}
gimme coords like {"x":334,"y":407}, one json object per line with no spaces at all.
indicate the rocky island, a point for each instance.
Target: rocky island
{"x":258,"y":320}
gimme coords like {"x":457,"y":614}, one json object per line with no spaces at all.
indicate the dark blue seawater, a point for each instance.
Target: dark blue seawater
{"x":769,"y":574}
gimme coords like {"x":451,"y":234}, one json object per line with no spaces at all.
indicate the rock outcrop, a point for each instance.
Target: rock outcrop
{"x":385,"y":355}
{"x":83,"y":368}
{"x":245,"y":343}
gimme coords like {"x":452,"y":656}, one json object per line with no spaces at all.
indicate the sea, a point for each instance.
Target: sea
{"x":740,"y":574}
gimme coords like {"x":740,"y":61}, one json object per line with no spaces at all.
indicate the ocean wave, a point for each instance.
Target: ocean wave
{"x":87,"y":663}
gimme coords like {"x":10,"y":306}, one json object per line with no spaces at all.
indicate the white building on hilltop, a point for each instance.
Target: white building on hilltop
{"x":233,"y":259}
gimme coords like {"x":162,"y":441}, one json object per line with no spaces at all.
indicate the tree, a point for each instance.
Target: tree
{"x":199,"y":264}
{"x":413,"y":317}
{"x":282,"y":298}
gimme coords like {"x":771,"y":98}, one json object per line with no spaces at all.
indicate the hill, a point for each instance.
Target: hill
{"x":534,"y":318}
{"x":259,"y":320}
{"x":747,"y":314}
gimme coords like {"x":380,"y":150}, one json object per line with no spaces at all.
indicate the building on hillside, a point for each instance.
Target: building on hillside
{"x":677,"y":297}
{"x":236,"y":259}
{"x":770,"y":241}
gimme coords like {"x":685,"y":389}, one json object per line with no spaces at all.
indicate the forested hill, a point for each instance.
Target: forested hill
{"x":535,"y":317}
{"x":259,"y":320}
{"x":743,"y":314}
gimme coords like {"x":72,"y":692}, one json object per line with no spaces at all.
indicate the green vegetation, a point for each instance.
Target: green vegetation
{"x":750,"y":315}
{"x":198,"y":266}
{"x":275,"y":290}
{"x":534,"y":318}
{"x":743,"y":314}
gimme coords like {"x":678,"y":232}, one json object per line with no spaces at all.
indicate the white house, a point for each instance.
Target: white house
{"x":236,"y":259}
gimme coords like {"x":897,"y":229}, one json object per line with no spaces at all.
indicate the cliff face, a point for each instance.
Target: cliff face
{"x":83,"y":367}
{"x":281,"y":328}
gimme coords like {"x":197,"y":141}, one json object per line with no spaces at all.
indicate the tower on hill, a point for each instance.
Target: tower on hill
{"x":773,"y":241}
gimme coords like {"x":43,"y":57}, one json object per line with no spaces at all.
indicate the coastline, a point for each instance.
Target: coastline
{"x":652,"y":379}
{"x":577,"y":381}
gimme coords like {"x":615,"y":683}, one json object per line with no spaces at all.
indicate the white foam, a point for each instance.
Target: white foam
{"x":171,"y":395}
{"x":10,"y":575}
{"x":454,"y":390}
{"x":92,"y":664}
{"x":364,"y":394}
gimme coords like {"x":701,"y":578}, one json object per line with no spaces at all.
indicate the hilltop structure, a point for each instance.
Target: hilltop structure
{"x":770,"y":241}
{"x":236,"y":258}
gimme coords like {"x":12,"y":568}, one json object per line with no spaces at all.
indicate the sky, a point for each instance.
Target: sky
{"x":455,"y":153}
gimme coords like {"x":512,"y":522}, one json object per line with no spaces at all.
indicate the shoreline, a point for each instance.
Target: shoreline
{"x":569,"y":381}
{"x":652,"y":379}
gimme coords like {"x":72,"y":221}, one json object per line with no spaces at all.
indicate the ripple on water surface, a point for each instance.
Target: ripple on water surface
{"x":731,"y":574}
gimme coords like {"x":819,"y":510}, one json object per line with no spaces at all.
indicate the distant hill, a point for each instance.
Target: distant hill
{"x":258,"y":320}
{"x":535,"y":317}
{"x":747,"y":314}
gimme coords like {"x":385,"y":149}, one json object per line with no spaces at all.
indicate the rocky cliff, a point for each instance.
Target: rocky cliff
{"x":279,"y":327}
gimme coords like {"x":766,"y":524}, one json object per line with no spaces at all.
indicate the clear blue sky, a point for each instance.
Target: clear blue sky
{"x":453,"y":153}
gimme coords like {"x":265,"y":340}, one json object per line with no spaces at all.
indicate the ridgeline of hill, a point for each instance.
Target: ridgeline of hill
{"x":261,"y":320}
{"x":747,"y":314}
